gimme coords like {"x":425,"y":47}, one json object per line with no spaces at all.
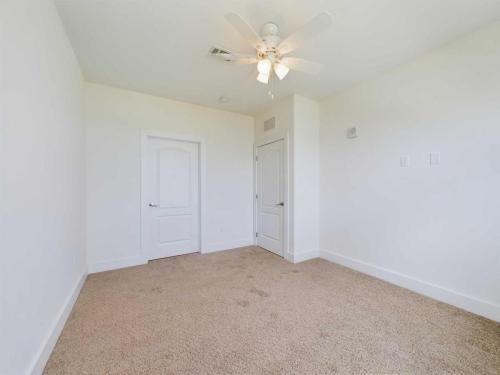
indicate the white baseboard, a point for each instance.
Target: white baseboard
{"x":226,"y":245}
{"x":56,"y":328}
{"x":304,"y":256}
{"x":116,"y":264}
{"x":472,"y":304}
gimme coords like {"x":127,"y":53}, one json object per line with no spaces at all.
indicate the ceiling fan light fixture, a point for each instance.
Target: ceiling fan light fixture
{"x":281,"y":70}
{"x":264,"y":67}
{"x":263,"y":78}
{"x":271,"y":49}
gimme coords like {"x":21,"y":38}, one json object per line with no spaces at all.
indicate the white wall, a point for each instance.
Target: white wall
{"x":441,"y":224}
{"x":114,"y":120}
{"x":42,"y":183}
{"x":306,"y":178}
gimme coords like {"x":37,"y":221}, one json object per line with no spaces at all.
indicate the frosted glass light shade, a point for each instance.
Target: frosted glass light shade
{"x":264,"y":66}
{"x":281,"y":70}
{"x":263,"y":78}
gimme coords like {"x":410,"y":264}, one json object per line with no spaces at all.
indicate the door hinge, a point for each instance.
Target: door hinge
{"x":256,"y":196}
{"x":256,"y":158}
{"x":256,"y":234}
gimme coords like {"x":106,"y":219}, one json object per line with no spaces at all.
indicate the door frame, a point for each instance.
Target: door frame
{"x":288,"y":209}
{"x":145,"y":135}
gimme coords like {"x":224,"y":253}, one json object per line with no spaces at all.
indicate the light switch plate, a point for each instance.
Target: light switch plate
{"x":434,"y":159}
{"x":404,"y":161}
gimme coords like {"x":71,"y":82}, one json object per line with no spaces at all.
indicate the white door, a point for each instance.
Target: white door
{"x":270,"y":197}
{"x":171,"y":216}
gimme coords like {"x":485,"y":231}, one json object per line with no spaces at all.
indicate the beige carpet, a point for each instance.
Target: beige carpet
{"x":248,"y":311}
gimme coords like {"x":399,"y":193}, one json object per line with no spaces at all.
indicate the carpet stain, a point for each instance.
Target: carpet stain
{"x":324,"y":335}
{"x":259,"y":292}
{"x":243,"y":303}
{"x":332,"y":369}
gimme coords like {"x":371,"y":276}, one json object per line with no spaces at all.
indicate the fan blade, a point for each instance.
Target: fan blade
{"x":245,"y":30}
{"x":314,"y":27}
{"x":301,"y":65}
{"x":228,"y":56}
{"x":244,"y":59}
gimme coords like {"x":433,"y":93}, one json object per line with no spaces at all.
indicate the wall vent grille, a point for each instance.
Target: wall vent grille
{"x":220,"y":53}
{"x":270,"y":124}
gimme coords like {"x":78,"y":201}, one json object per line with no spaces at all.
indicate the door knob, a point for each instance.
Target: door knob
{"x":153,"y":205}
{"x":281,"y":204}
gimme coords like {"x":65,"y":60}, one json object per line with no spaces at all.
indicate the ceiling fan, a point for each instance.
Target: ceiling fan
{"x":271,"y":49}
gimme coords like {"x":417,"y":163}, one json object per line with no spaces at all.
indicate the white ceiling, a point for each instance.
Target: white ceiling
{"x":160,"y":46}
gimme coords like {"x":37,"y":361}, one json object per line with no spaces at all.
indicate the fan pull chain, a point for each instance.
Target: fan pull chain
{"x":270,"y":92}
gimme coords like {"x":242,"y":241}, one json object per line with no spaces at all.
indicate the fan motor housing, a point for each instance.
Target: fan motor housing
{"x":270,"y":36}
